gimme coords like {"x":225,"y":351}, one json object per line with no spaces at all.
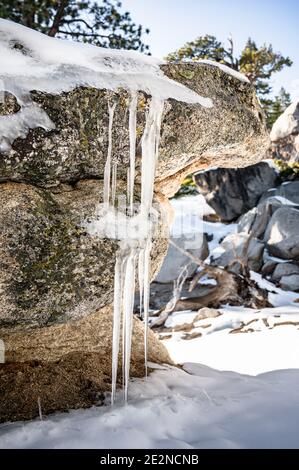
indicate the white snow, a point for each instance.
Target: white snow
{"x":262,"y":350}
{"x":218,"y":231}
{"x":197,"y":407}
{"x":180,"y":318}
{"x":188,"y":214}
{"x":234,"y":73}
{"x":54,"y":65}
{"x":285,"y":124}
{"x":277,"y":297}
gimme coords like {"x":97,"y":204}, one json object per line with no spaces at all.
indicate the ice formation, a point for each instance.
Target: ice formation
{"x":33,"y":61}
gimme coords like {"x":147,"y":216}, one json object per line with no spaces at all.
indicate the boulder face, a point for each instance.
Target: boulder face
{"x":288,"y":190}
{"x":52,"y":269}
{"x":233,"y":192}
{"x":285,"y":135}
{"x":282,"y":234}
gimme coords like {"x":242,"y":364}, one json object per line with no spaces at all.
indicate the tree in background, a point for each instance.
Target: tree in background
{"x":101,"y":23}
{"x":278,"y":105}
{"x":257,"y":63}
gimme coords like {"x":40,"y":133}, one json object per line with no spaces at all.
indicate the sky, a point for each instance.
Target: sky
{"x":175,"y":22}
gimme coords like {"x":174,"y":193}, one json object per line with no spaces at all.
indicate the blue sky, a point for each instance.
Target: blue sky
{"x":174,"y":22}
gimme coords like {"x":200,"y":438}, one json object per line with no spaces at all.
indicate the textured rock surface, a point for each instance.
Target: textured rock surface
{"x":290,"y":282}
{"x":288,"y":190}
{"x":282,"y":234}
{"x":67,"y":365}
{"x":284,"y":269}
{"x":232,"y":133}
{"x":232,"y":192}
{"x":52,"y":270}
{"x":234,"y":250}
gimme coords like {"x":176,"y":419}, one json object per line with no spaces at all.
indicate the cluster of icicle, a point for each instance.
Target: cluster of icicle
{"x":133,"y":257}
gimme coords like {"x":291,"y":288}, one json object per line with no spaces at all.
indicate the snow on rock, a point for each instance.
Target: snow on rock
{"x":33,"y":61}
{"x":226,"y":69}
{"x":287,"y":123}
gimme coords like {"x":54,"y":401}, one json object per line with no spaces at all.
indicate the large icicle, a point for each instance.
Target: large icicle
{"x":116,"y":323}
{"x":128,"y":308}
{"x":132,"y":131}
{"x":150,"y":148}
{"x":107,"y":171}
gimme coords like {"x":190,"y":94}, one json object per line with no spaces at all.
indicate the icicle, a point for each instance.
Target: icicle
{"x":116,"y":323}
{"x":141,"y":279}
{"x":150,"y":148}
{"x":107,"y":171}
{"x":113,"y":187}
{"x":132,"y":132}
{"x":128,"y":307}
{"x":146,"y":290}
{"x":40,"y":413}
{"x":150,"y":145}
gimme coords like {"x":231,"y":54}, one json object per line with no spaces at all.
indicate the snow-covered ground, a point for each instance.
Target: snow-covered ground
{"x":196,"y":407}
{"x":237,"y":387}
{"x":269,"y":340}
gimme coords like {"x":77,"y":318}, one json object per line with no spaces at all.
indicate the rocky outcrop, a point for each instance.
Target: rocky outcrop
{"x":267,"y":239}
{"x":232,"y":192}
{"x":56,"y":279}
{"x":285,"y":135}
{"x":288,"y":190}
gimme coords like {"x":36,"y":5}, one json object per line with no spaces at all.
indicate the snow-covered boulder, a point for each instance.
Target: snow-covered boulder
{"x":60,"y":134}
{"x":232,"y":192}
{"x":69,"y":114}
{"x":285,"y":135}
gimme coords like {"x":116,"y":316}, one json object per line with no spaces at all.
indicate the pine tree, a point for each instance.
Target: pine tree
{"x":257,"y":63}
{"x":278,"y":106}
{"x":101,"y":23}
